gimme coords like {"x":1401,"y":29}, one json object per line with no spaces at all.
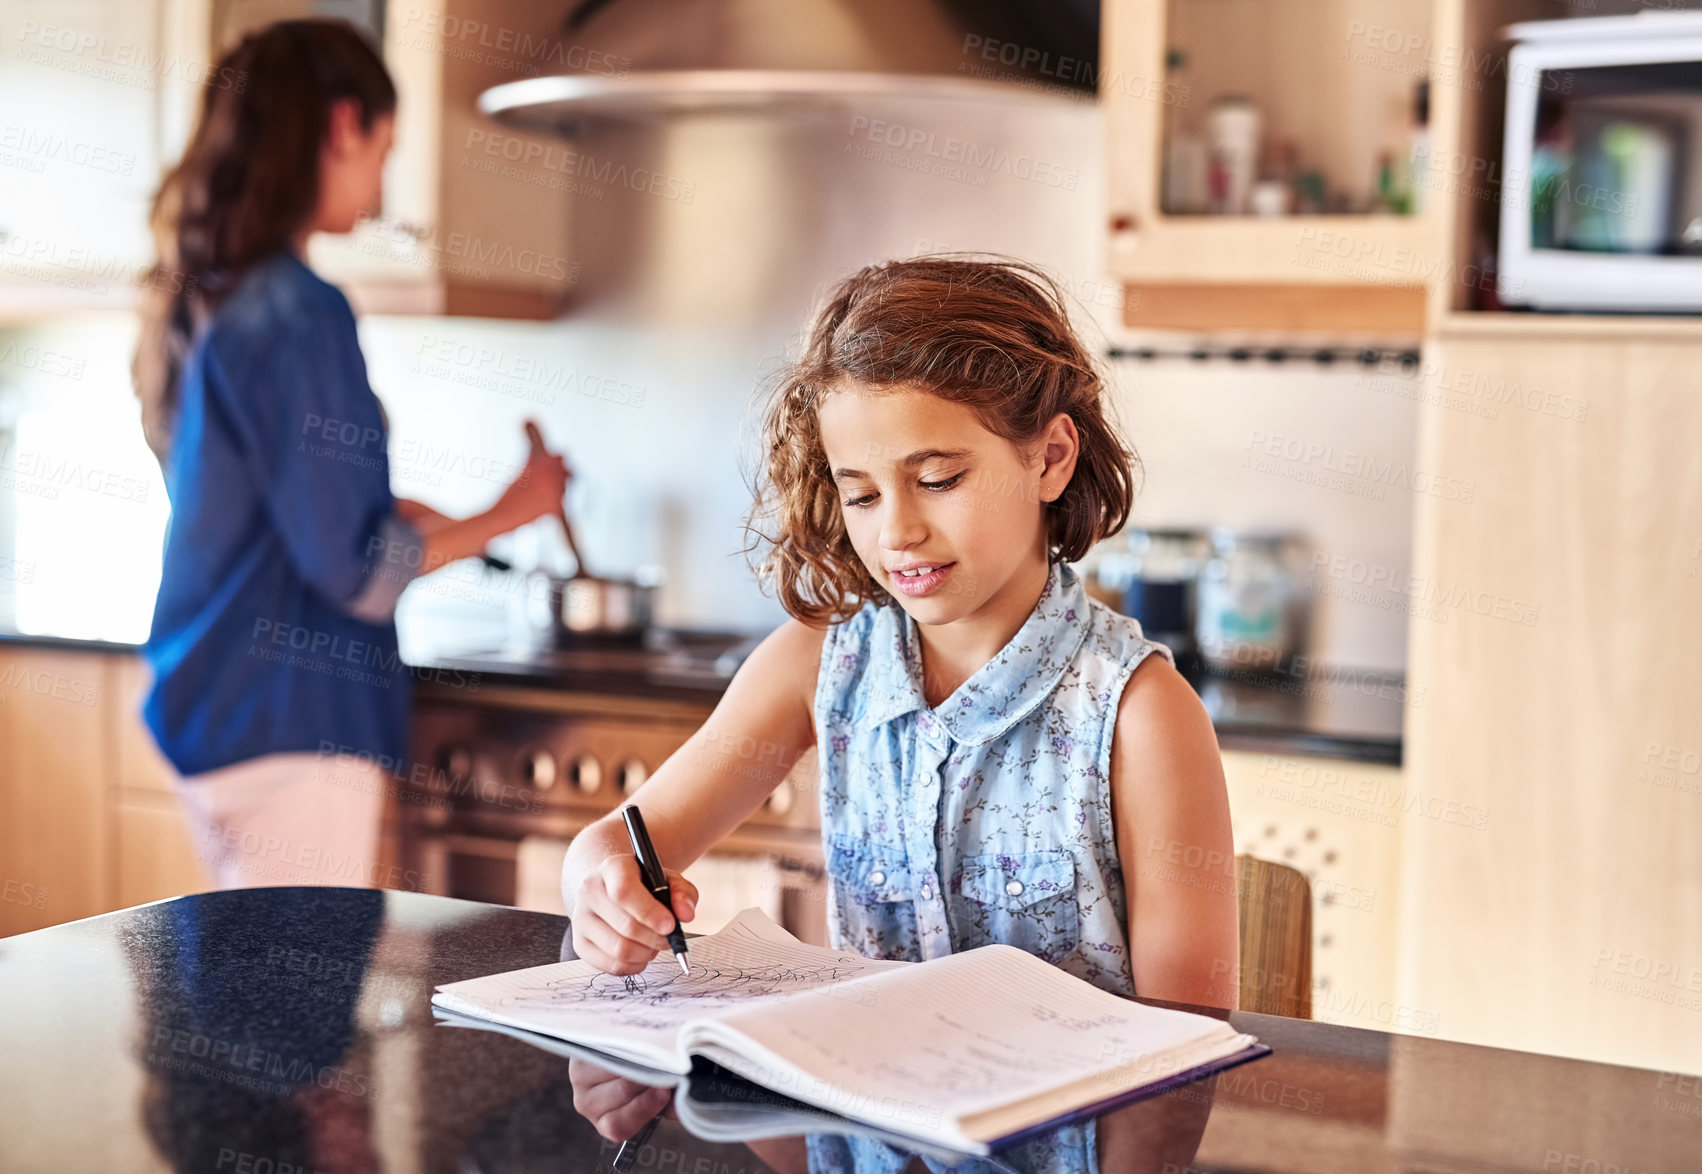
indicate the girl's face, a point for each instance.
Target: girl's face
{"x":945,"y":514}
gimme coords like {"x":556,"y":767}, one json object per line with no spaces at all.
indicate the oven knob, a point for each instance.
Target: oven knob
{"x":780,"y":802}
{"x":455,"y":762}
{"x":586,"y":773}
{"x":632,"y":775}
{"x":539,"y":769}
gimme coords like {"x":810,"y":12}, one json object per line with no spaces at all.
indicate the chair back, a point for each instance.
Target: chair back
{"x":1276,"y":938}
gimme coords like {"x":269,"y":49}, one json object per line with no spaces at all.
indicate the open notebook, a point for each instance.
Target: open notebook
{"x":971,"y":1051}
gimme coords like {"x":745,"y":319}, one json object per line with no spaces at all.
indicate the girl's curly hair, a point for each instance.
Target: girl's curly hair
{"x":990,"y":333}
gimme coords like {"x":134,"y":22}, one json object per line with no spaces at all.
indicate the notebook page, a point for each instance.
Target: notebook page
{"x":749,"y":962}
{"x":961,"y":1035}
{"x":620,"y":1065}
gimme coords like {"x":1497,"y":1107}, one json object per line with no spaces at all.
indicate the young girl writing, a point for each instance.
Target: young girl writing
{"x":1002,"y":757}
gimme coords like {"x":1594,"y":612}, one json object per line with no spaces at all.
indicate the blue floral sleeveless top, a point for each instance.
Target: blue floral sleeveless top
{"x":984,"y":819}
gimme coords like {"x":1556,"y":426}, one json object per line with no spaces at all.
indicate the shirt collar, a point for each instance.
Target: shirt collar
{"x":1002,"y":691}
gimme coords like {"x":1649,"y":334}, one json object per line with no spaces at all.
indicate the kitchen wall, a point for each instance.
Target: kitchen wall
{"x":686,"y":303}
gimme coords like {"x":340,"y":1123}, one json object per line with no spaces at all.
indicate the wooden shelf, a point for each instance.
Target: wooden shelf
{"x":1338,"y":273}
{"x":1384,"y":310}
{"x":1606,"y":327}
{"x":1287,"y":250}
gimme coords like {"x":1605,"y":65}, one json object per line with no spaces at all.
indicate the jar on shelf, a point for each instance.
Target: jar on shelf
{"x":1153,"y":572}
{"x":1249,"y":611}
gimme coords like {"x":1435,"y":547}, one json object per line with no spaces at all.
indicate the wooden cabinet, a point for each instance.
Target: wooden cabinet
{"x":79,"y":154}
{"x":1323,"y":82}
{"x":55,"y":829}
{"x":1563,"y":690}
{"x":1339,"y":822}
{"x":475,"y":217}
{"x":155,"y":856}
{"x":88,"y":820}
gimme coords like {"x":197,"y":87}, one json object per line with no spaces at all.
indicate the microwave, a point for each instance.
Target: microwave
{"x":1601,"y":195}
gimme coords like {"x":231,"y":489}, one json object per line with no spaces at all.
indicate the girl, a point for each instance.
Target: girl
{"x":1003,"y":758}
{"x":277,"y":682}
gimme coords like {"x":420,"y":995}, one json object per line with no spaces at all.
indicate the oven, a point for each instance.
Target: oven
{"x":511,"y":760}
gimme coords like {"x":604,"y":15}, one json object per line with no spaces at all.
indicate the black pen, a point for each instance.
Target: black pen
{"x":650,"y":867}
{"x":628,"y":1153}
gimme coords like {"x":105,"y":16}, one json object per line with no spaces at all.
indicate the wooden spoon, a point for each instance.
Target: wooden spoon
{"x":579,"y":571}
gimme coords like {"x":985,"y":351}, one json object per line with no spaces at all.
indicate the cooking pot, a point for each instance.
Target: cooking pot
{"x":563,"y":609}
{"x":590,"y":605}
{"x":583,"y":606}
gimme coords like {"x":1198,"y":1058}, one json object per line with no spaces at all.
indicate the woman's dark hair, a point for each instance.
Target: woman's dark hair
{"x":247,"y":183}
{"x":992,"y":334}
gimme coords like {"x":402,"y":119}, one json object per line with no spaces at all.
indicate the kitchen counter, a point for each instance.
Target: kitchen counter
{"x":291,"y":1029}
{"x":1329,"y":712}
{"x":66,"y":644}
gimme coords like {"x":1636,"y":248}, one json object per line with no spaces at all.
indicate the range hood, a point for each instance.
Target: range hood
{"x":798,"y":57}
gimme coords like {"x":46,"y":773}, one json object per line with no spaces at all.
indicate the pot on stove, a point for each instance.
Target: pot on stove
{"x":582,"y":606}
{"x":563,"y":609}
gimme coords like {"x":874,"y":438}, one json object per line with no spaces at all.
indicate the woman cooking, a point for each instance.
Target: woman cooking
{"x":277,"y":681}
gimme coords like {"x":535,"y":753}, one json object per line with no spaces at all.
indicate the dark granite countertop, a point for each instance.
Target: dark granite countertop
{"x":291,"y":1030}
{"x":66,"y":643}
{"x":1329,"y":712}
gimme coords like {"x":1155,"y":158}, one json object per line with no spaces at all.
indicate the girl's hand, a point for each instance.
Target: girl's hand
{"x":618,"y":926}
{"x":615,"y":1106}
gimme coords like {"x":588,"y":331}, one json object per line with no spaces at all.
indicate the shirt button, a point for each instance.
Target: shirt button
{"x":927,"y":892}
{"x":877,"y":878}
{"x":1013,"y":887}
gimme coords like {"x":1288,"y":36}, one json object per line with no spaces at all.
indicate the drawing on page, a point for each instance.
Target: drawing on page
{"x":659,"y":994}
{"x":708,"y":981}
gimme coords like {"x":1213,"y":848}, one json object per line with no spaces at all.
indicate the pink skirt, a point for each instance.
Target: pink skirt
{"x":287,"y":819}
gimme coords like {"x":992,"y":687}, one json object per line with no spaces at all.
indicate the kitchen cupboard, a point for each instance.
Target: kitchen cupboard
{"x":1548,"y":861}
{"x":55,"y":825}
{"x":1322,"y":81}
{"x":1338,"y":822}
{"x":88,"y":819}
{"x":155,"y":854}
{"x":464,"y":228}
{"x":79,"y":152}
{"x":476,"y":218}
{"x":1565,"y":701}
{"x":88,"y":822}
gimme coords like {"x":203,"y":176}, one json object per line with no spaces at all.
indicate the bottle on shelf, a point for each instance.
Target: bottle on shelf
{"x":1418,"y":146}
{"x":1273,"y":194}
{"x":1187,"y":170}
{"x":1310,"y":193}
{"x":1391,"y":195}
{"x":1234,"y":133}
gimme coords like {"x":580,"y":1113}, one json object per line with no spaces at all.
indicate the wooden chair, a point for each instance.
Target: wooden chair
{"x":1276,"y":938}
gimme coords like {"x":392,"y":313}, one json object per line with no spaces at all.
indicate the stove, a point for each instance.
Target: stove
{"x":517,"y":748}
{"x":687,"y":659}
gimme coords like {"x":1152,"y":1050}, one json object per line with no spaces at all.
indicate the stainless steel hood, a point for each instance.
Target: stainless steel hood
{"x":802,"y":57}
